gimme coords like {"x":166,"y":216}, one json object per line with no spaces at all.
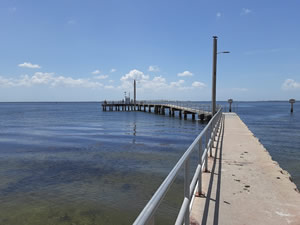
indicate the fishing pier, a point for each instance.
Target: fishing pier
{"x":183,"y":109}
{"x":235,"y":180}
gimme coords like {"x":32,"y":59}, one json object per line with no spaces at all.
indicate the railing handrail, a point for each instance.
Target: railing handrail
{"x":185,"y":105}
{"x":149,"y":210}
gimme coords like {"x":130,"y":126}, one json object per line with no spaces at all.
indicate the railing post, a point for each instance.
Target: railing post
{"x":219,"y":122}
{"x":207,"y":148}
{"x":187,"y":190}
{"x":213,"y":133}
{"x":211,"y":139}
{"x":217,"y":126}
{"x":200,"y":164}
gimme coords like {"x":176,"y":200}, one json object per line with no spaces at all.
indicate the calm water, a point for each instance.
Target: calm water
{"x":71,"y":163}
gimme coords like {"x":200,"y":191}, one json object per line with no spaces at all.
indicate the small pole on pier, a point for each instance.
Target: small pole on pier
{"x":134,"y":96}
{"x":214,"y":74}
{"x":292,"y":101}
{"x":230,"y":102}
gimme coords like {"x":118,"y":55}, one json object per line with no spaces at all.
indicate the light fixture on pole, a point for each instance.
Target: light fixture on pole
{"x":214,"y":73}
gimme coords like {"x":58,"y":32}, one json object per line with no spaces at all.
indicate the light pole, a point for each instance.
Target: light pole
{"x":134,"y":91}
{"x":214,"y":73}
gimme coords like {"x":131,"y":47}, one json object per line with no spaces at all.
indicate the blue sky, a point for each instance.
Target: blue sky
{"x":91,"y":50}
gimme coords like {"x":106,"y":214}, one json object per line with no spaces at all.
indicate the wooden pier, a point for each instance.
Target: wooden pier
{"x":158,"y":108}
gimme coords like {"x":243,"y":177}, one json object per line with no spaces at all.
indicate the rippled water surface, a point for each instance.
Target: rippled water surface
{"x":71,"y":163}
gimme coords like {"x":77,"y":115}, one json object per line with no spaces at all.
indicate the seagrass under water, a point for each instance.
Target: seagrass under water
{"x":71,"y":163}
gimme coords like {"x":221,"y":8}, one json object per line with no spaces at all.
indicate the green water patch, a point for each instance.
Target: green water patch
{"x":82,"y":197}
{"x":64,"y":214}
{"x":92,"y":186}
{"x":111,"y":200}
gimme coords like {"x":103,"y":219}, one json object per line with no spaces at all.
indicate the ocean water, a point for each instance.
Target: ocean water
{"x":71,"y":163}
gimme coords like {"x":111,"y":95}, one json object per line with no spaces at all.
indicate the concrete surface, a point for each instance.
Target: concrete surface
{"x":244,"y":185}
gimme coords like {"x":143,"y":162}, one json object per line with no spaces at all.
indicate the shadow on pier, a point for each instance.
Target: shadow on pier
{"x":215,"y":176}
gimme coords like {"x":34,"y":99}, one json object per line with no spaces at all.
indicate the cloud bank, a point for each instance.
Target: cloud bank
{"x":158,"y":82}
{"x":40,"y":78}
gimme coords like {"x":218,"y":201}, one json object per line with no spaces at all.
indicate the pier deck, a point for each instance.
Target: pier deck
{"x":158,"y":108}
{"x":244,"y":185}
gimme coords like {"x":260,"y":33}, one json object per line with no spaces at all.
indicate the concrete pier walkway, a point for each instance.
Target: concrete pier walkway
{"x":244,"y":185}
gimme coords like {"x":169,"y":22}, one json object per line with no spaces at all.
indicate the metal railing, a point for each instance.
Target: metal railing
{"x":203,"y":144}
{"x":179,"y":104}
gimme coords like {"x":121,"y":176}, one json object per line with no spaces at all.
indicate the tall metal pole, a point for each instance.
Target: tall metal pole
{"x":214,"y":74}
{"x":134,"y":100}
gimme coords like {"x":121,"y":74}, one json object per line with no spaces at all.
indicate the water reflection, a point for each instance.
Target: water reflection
{"x":134,"y":133}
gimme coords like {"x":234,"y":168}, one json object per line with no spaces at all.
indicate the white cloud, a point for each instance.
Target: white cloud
{"x":185,"y":74}
{"x":245,"y":11}
{"x":240,"y":89}
{"x":4,"y":82}
{"x":29,"y":65}
{"x":101,"y":77}
{"x":153,"y":68}
{"x":177,"y":83}
{"x":127,"y":79}
{"x":155,"y":83}
{"x":96,"y":72}
{"x":198,"y":84}
{"x":113,"y":70}
{"x":290,"y":84}
{"x":40,"y":78}
{"x":111,"y":81}
{"x":218,"y":15}
{"x":135,"y":75}
{"x":49,"y":79}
